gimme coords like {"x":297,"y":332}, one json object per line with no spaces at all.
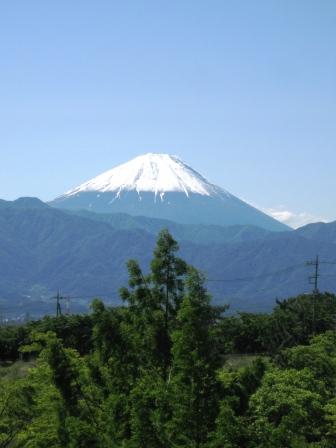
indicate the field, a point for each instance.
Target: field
{"x":15,"y":370}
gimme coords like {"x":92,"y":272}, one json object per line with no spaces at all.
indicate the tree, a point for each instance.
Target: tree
{"x":319,"y":357}
{"x":154,"y":301}
{"x":167,"y":274}
{"x":237,"y":386}
{"x":231,"y":430}
{"x":299,"y":318}
{"x":78,"y":414}
{"x":150,"y":411}
{"x":15,"y":409}
{"x":167,"y":277}
{"x":193,"y":375}
{"x":287,"y":408}
{"x":43,"y":429}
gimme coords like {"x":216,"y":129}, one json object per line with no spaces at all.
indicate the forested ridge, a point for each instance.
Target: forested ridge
{"x":162,"y":371}
{"x":43,"y":249}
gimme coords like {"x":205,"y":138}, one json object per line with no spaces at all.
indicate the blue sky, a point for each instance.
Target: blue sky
{"x":244,"y":91}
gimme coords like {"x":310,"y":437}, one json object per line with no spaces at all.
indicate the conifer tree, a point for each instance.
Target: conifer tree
{"x":154,"y":301}
{"x":167,"y":275}
{"x":150,"y":412}
{"x":143,"y":323}
{"x":78,"y":420}
{"x":193,"y":376}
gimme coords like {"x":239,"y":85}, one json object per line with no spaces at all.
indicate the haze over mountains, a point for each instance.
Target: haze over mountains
{"x":83,"y":253}
{"x":162,"y":186}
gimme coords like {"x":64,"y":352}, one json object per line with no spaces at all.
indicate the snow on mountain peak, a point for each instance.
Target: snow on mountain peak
{"x":156,"y":173}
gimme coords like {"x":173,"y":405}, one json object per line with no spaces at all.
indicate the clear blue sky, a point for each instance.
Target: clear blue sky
{"x":242,"y":90}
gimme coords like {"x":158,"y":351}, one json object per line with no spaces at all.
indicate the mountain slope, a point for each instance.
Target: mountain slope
{"x":162,"y":186}
{"x":153,"y":173}
{"x":195,"y":233}
{"x":320,"y":231}
{"x":43,"y":249}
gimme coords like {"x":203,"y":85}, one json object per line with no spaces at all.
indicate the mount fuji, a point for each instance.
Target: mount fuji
{"x":163,"y":186}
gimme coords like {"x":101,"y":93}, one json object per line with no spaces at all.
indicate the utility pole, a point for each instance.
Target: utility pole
{"x":58,"y":299}
{"x":58,"y":304}
{"x":313,"y":279}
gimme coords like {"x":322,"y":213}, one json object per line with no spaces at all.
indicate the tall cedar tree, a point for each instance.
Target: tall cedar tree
{"x":153,"y":303}
{"x":193,"y":376}
{"x":167,"y":277}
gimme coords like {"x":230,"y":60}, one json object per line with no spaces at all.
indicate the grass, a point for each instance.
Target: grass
{"x":15,"y":370}
{"x":237,"y":361}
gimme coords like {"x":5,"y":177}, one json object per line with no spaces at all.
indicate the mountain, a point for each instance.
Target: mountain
{"x":162,"y":186}
{"x":43,"y":249}
{"x":24,"y":203}
{"x":320,"y":231}
{"x":195,"y":233}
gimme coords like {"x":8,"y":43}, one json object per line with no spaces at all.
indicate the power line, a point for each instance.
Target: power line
{"x":67,"y":299}
{"x":93,"y":295}
{"x":313,"y":279}
{"x":269,"y":274}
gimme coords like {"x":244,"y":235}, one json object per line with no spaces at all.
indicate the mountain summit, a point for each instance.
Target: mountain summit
{"x":163,"y":186}
{"x":155,"y":173}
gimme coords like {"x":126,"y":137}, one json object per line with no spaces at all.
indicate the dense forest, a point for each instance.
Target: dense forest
{"x":169,"y":370}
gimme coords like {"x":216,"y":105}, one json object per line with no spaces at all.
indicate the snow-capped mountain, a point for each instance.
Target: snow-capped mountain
{"x":155,"y":173}
{"x":163,"y":186}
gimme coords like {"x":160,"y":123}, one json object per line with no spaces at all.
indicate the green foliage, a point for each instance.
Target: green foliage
{"x":193,"y":375}
{"x":156,"y":373}
{"x":297,"y":319}
{"x":150,"y":411}
{"x":230,"y":429}
{"x":43,"y":428}
{"x":11,"y":338}
{"x":75,"y":332}
{"x":15,"y":409}
{"x":319,"y":357}
{"x":246,"y":333}
{"x":154,"y":301}
{"x":293,"y":321}
{"x":287,"y":407}
{"x":239,"y":385}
